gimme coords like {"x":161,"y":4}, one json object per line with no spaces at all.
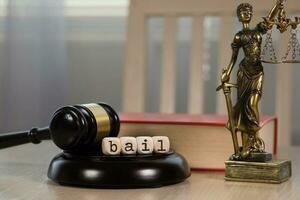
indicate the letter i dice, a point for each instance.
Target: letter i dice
{"x":144,"y":145}
{"x":129,"y":145}
{"x":111,"y":146}
{"x":161,"y":144}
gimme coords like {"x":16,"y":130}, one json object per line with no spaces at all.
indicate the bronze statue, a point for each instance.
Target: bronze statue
{"x":244,"y":116}
{"x":250,"y":162}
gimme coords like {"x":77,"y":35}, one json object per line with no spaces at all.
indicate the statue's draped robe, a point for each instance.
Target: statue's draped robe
{"x":250,"y":78}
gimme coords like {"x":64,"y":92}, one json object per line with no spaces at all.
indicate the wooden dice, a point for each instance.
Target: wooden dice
{"x":140,"y":145}
{"x":145,"y":145}
{"x":111,"y":146}
{"x":161,"y":144}
{"x":128,"y":145}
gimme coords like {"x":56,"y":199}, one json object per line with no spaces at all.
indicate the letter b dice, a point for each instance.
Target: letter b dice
{"x":111,"y":146}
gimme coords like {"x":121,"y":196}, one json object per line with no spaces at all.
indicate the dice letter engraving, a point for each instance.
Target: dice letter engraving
{"x":161,"y":144}
{"x":111,"y":146}
{"x":144,"y":145}
{"x":129,"y":145}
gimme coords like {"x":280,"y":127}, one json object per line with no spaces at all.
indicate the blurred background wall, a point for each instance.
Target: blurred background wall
{"x":54,"y":53}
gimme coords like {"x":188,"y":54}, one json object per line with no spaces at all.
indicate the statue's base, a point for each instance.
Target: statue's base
{"x":255,"y":157}
{"x":274,"y":171}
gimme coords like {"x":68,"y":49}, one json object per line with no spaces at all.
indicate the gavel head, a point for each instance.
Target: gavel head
{"x":82,"y":127}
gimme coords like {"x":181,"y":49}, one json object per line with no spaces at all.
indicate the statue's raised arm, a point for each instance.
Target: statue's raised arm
{"x":279,"y":5}
{"x":270,"y":19}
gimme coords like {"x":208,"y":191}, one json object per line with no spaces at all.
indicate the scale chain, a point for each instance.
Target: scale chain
{"x":293,"y":47}
{"x":270,"y":48}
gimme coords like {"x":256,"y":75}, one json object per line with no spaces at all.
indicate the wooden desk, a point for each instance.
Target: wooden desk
{"x":23,"y":172}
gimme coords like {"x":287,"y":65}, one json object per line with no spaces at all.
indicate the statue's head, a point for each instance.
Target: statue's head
{"x":244,"y":12}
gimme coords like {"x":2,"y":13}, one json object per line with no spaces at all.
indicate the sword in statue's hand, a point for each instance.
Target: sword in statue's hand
{"x":227,"y":92}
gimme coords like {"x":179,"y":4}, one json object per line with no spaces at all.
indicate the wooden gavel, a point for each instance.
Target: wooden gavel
{"x":72,"y":128}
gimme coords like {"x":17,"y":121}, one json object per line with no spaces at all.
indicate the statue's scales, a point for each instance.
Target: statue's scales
{"x":282,"y":24}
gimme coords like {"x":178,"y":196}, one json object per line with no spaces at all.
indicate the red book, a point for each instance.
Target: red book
{"x":202,"y":139}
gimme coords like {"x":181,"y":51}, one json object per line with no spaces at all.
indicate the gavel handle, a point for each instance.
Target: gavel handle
{"x":34,"y":136}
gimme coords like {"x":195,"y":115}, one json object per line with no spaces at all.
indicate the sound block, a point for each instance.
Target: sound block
{"x":274,"y":171}
{"x":135,"y":171}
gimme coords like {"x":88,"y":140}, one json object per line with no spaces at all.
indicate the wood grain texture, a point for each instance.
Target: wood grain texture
{"x":134,"y":71}
{"x":23,"y":176}
{"x":168,"y":73}
{"x":196,"y":83}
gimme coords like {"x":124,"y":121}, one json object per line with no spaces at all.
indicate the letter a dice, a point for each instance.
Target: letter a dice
{"x":144,"y":145}
{"x":111,"y":146}
{"x":161,"y":144}
{"x":129,"y":145}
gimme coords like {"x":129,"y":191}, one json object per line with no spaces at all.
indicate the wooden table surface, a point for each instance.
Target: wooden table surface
{"x":23,"y":172}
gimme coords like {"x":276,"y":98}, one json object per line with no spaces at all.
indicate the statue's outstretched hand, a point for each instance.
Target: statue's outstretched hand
{"x":280,"y":2}
{"x":225,"y":76}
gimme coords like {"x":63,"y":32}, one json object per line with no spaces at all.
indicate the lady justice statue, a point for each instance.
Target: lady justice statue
{"x":250,"y":162}
{"x":244,"y":116}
